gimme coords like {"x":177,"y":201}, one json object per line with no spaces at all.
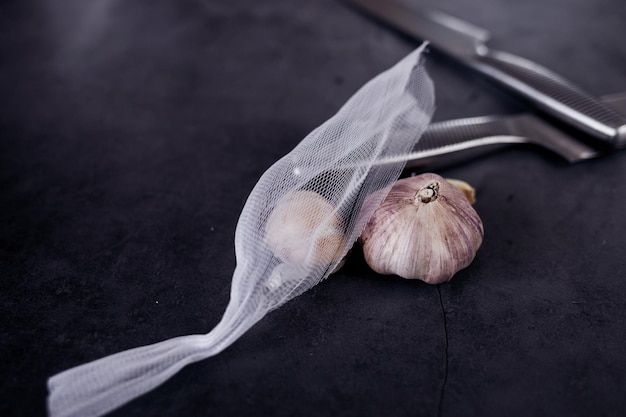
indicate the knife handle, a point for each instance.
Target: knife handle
{"x":456,"y":141}
{"x":555,"y":95}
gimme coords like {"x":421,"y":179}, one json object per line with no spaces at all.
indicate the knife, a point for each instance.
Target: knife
{"x":455,"y":141}
{"x":548,"y":91}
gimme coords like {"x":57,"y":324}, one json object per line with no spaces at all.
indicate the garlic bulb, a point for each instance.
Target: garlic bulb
{"x":425,"y":229}
{"x":304,"y":228}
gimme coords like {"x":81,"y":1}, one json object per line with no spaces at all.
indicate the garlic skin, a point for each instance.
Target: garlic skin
{"x":304,"y":228}
{"x":425,"y":229}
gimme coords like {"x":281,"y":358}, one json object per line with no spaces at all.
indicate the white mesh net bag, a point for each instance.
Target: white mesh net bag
{"x":298,"y":223}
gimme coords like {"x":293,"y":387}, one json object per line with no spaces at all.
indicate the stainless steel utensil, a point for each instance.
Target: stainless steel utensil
{"x":456,"y":141}
{"x":468,"y":43}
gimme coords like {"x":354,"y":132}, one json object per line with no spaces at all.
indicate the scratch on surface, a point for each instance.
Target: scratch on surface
{"x":445,"y":364}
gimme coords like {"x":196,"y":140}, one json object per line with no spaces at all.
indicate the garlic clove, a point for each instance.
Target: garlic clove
{"x":304,"y":228}
{"x":468,"y":190}
{"x":425,"y":229}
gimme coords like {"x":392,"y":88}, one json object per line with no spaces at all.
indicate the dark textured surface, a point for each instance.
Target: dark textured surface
{"x":131,"y":134}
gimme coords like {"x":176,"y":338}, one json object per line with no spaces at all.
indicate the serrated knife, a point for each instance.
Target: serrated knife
{"x":548,"y":91}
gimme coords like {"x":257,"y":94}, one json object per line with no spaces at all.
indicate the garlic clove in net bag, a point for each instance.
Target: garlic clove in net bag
{"x":299,"y":221}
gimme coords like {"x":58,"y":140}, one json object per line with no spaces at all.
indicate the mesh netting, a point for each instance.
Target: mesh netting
{"x":298,"y":223}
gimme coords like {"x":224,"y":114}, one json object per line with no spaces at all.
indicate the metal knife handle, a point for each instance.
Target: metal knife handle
{"x":553,"y":94}
{"x":455,"y":141}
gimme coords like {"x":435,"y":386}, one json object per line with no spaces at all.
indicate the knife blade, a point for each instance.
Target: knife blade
{"x":467,"y":43}
{"x":456,"y":141}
